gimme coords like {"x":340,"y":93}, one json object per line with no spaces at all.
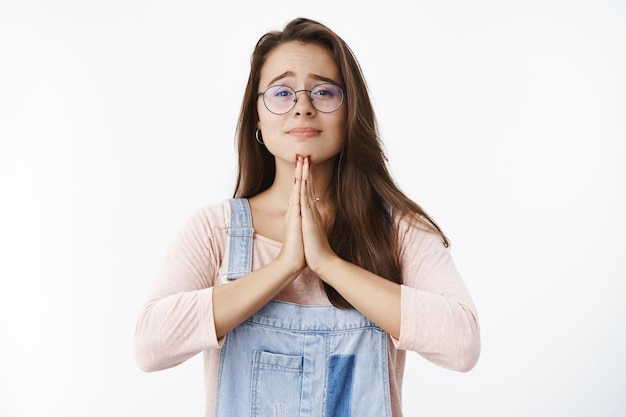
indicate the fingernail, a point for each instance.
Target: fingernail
{"x":294,"y":180}
{"x":296,"y":159}
{"x":308,"y":159}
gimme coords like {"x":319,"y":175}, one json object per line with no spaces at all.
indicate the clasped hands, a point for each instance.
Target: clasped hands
{"x":305,"y":242}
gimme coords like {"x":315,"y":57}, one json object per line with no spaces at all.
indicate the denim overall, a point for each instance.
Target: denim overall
{"x":291,"y":360}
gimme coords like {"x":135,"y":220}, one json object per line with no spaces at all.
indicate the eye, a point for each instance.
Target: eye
{"x":326,"y":91}
{"x":280,"y":91}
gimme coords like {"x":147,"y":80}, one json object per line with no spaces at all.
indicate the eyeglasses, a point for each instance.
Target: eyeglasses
{"x":280,"y":99}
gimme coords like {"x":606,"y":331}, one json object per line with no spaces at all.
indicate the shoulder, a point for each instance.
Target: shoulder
{"x":423,"y":253}
{"x":415,"y":235}
{"x":209,"y":220}
{"x":214,"y":213}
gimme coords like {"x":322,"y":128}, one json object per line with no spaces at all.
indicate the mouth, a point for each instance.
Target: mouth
{"x":304,"y":132}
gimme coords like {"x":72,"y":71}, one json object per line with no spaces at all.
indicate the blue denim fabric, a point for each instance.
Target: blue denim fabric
{"x":290,"y":360}
{"x":240,"y":234}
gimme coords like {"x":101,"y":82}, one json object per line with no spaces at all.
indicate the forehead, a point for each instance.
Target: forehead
{"x":297,"y":61}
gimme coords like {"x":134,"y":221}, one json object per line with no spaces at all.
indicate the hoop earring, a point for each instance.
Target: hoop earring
{"x":259,"y":137}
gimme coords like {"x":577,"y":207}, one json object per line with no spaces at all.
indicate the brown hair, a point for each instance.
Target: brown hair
{"x":364,"y":192}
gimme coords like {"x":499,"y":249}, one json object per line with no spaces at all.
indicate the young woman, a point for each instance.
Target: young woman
{"x":305,"y":290}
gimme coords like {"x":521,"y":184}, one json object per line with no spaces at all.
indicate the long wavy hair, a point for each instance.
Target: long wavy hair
{"x":363,"y":191}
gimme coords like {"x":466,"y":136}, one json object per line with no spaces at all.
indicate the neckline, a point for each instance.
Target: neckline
{"x":267,"y":240}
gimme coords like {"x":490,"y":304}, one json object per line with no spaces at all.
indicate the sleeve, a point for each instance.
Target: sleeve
{"x":438,"y":317}
{"x":176,"y":322}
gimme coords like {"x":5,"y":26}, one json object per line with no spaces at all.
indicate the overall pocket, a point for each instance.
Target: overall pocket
{"x":276,"y":385}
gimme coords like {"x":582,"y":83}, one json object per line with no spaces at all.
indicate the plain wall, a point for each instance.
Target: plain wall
{"x":503,"y":119}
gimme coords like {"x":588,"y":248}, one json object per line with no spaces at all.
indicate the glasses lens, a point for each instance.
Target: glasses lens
{"x":279,"y":99}
{"x":327,"y":97}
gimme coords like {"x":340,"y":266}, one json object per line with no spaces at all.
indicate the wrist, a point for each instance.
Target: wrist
{"x":325,"y":268}
{"x":286,"y":266}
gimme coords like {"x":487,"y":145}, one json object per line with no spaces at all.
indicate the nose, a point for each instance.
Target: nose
{"x":303,"y":106}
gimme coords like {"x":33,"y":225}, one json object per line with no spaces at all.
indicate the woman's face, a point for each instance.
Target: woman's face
{"x":304,"y":130}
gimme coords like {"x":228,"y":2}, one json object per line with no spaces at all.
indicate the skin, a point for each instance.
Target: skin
{"x":305,"y":143}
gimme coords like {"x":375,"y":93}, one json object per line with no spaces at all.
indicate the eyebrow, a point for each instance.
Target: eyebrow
{"x":291,"y":74}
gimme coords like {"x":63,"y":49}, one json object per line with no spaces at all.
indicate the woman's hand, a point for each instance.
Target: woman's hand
{"x":317,"y":250}
{"x":292,"y":250}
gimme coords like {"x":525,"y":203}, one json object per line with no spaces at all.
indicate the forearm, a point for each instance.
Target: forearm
{"x":235,"y":302}
{"x":376,"y":298}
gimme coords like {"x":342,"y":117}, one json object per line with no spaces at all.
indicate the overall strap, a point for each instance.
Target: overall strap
{"x":239,"y":236}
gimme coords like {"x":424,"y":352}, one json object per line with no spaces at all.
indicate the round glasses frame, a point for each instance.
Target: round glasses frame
{"x":294,"y":93}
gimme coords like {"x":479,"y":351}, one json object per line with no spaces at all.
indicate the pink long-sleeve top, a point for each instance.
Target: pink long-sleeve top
{"x":438,"y":317}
